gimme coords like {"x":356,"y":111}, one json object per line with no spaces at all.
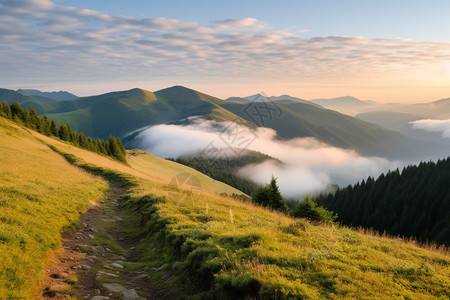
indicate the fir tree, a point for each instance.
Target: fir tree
{"x":54,"y":128}
{"x":270,"y":196}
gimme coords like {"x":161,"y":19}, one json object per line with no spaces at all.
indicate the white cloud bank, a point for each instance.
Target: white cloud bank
{"x":310,"y":166}
{"x":431,"y":125}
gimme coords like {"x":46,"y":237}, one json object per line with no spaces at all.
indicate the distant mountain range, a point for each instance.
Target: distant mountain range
{"x":45,"y":96}
{"x":342,"y":101}
{"x":261,"y":97}
{"x":120,"y":113}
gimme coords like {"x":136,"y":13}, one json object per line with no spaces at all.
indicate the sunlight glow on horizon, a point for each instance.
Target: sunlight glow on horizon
{"x":49,"y":46}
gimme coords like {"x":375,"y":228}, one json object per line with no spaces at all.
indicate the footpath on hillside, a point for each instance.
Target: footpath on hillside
{"x":98,"y":260}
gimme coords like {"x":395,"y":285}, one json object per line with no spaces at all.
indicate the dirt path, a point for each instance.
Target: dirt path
{"x":97,"y":261}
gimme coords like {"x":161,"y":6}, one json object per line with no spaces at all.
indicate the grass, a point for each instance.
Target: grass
{"x":228,"y":248}
{"x":41,"y":195}
{"x":233,"y":249}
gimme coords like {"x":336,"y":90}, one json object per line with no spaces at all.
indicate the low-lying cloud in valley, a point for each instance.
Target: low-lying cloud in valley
{"x":442,"y":126}
{"x":310,"y":166}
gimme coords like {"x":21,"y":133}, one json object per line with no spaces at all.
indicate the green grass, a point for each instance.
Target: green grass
{"x":228,"y":248}
{"x":232,"y":249}
{"x":40,"y":196}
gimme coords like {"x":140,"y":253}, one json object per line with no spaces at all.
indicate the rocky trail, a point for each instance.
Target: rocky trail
{"x":98,"y":261}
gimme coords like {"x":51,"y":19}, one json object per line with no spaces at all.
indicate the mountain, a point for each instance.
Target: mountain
{"x":120,"y":113}
{"x":292,"y":119}
{"x":261,"y":97}
{"x":213,"y":245}
{"x":347,"y":105}
{"x":398,"y":117}
{"x":414,"y":202}
{"x":48,"y":96}
{"x":342,"y":101}
{"x":26,"y":101}
{"x":432,"y":110}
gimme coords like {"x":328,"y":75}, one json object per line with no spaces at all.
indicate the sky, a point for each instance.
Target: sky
{"x":387,"y":51}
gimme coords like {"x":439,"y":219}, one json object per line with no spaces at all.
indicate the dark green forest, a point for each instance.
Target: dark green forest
{"x":113,"y":147}
{"x":412,"y":203}
{"x":225,"y":168}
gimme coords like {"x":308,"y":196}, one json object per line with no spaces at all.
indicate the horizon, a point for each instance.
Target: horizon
{"x":224,"y":98}
{"x":371,"y":51}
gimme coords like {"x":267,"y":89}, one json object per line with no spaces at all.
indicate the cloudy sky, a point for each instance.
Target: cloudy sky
{"x":378,"y":50}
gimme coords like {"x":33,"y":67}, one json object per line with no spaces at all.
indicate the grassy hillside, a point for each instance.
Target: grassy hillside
{"x":40,"y":195}
{"x":227,"y":248}
{"x":230,"y":249}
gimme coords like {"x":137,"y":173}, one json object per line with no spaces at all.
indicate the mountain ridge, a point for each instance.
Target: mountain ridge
{"x":98,"y":116}
{"x":56,"y":96}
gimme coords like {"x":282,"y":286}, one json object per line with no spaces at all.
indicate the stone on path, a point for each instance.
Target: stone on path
{"x":101,"y":273}
{"x":131,"y":295}
{"x":176,"y":264}
{"x":117,"y":265}
{"x":142,"y":276}
{"x":114,"y":287}
{"x":162,"y":267}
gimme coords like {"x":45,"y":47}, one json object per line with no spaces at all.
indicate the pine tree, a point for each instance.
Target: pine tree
{"x":114,"y":149}
{"x":54,"y":129}
{"x":33,"y":120}
{"x":17,"y":112}
{"x":270,"y":196}
{"x":63,"y":132}
{"x":44,"y":127}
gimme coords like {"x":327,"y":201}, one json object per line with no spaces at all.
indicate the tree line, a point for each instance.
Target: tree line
{"x":270,"y":196}
{"x":113,"y":147}
{"x":414,"y":202}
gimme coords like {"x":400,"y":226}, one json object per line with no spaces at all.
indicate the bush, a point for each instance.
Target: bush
{"x":308,"y":209}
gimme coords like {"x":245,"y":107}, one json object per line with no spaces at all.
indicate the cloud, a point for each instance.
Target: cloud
{"x":310,"y":166}
{"x":43,"y":41}
{"x":442,"y":126}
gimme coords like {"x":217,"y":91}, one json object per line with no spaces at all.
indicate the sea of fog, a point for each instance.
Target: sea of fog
{"x":309,"y":166}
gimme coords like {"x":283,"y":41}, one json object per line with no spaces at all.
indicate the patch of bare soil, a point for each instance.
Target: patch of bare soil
{"x":98,"y":261}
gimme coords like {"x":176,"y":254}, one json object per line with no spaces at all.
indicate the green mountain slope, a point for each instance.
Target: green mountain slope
{"x":119,"y":113}
{"x":26,"y":101}
{"x":295,"y":119}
